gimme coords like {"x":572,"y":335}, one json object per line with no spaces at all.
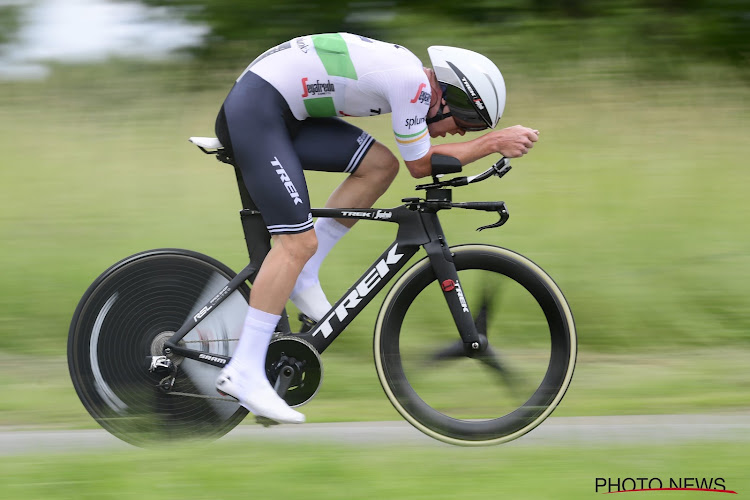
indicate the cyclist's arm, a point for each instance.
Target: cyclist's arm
{"x":511,"y":142}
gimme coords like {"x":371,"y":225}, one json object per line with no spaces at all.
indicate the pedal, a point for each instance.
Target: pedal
{"x":265,"y":421}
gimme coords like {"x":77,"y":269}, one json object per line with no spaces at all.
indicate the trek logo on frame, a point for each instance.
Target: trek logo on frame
{"x":361,"y":290}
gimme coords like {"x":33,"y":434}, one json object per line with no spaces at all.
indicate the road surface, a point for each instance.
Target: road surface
{"x":554,"y":431}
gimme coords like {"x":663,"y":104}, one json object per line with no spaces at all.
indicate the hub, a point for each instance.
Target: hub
{"x":157,"y":347}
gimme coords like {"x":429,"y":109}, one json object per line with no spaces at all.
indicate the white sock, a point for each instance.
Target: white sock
{"x":249,"y":357}
{"x":252,"y":387}
{"x":307,"y":294}
{"x":312,"y":302}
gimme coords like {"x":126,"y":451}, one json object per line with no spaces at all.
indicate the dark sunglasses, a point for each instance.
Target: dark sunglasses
{"x":461,"y":109}
{"x":464,"y":113}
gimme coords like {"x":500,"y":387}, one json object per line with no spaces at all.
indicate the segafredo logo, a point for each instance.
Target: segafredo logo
{"x":318,"y":88}
{"x":362,"y":289}
{"x":421,"y":96}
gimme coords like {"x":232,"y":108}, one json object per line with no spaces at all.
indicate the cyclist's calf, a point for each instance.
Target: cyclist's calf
{"x":280,"y":269}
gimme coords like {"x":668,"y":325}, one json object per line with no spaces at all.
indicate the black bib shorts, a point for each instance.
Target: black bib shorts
{"x":272,"y":148}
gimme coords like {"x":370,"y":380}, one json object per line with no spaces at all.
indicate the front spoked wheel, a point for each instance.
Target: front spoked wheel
{"x":493,"y":397}
{"x":123,"y":320}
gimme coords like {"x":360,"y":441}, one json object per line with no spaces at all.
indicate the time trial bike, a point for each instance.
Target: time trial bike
{"x":473,"y":345}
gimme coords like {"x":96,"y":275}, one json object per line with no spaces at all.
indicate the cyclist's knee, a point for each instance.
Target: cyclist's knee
{"x":379,"y":166}
{"x":298,"y":247}
{"x":391,"y":165}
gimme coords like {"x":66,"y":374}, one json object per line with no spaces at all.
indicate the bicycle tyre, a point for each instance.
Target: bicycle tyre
{"x":392,"y":346}
{"x":124,"y":317}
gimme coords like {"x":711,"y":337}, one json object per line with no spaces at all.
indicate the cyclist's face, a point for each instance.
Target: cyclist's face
{"x":444,"y":126}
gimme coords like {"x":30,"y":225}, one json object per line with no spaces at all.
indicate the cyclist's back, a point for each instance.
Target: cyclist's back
{"x":341,"y":74}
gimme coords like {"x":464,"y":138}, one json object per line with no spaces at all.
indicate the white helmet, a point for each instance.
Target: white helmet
{"x":473,"y":87}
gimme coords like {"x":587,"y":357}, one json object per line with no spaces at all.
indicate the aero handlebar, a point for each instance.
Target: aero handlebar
{"x":499,"y":169}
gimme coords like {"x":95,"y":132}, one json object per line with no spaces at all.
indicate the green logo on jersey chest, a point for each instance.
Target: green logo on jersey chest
{"x":320,"y":106}
{"x":334,"y":54}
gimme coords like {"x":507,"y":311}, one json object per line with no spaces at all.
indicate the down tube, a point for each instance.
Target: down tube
{"x":360,"y":294}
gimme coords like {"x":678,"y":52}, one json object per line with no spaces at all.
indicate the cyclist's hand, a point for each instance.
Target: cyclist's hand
{"x":514,"y":141}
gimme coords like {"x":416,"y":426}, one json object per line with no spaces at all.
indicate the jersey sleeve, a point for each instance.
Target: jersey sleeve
{"x":410,"y":101}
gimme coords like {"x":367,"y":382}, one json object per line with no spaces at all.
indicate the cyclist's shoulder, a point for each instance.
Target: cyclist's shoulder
{"x":391,"y":64}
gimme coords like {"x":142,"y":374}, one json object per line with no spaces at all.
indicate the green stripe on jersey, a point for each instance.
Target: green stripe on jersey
{"x":334,"y":54}
{"x":320,"y":106}
{"x":410,"y":135}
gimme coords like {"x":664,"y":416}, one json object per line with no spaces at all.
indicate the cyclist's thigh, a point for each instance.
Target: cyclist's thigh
{"x":331,"y":145}
{"x":258,"y":121}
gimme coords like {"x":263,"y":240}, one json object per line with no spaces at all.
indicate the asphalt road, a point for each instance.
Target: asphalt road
{"x":554,"y":431}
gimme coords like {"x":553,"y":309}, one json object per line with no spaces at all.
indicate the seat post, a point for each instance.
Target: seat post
{"x":257,"y":237}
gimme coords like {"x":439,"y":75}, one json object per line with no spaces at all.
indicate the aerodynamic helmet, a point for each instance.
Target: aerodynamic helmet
{"x":473,"y":87}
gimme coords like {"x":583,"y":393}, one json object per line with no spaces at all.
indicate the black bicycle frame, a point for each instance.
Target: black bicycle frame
{"x":418,"y":227}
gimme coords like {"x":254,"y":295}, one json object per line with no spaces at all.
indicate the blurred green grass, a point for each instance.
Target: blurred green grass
{"x":40,"y":395}
{"x":634,"y":200}
{"x":264,"y":470}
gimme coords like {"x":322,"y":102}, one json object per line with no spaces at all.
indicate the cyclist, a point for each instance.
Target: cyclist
{"x":283,"y":115}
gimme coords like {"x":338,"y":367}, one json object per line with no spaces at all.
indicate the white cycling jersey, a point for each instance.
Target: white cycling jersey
{"x":341,"y":74}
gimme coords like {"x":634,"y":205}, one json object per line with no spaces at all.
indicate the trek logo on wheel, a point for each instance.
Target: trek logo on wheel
{"x":361,"y":290}
{"x":287,"y":181}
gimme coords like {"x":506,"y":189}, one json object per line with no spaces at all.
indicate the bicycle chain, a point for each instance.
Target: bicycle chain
{"x":208,"y":341}
{"x":202,"y":396}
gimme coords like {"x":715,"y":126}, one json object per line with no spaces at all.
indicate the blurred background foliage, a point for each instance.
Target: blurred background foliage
{"x":9,"y":21}
{"x":634,"y":200}
{"x":659,"y":30}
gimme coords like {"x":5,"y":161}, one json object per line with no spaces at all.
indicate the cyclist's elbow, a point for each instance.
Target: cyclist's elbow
{"x":419,"y":168}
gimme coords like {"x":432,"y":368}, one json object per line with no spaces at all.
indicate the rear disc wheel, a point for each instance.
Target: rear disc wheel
{"x":125,"y":317}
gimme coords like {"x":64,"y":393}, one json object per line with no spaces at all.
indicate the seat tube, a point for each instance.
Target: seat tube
{"x":442,"y":263}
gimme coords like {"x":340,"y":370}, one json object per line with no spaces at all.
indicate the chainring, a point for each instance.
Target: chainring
{"x":304,"y":359}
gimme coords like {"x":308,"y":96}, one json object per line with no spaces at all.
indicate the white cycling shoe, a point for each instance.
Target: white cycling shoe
{"x":262,"y":401}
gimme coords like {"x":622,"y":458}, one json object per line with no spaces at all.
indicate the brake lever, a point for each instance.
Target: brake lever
{"x":504,"y":216}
